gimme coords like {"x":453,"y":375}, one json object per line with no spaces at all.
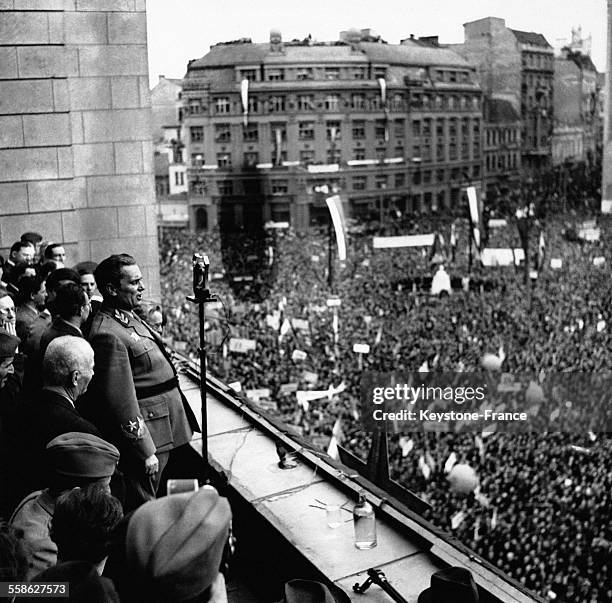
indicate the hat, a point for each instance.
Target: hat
{"x":174,"y":544}
{"x":452,"y":585}
{"x":8,"y":345}
{"x":309,"y":591}
{"x":85,"y":585}
{"x":82,"y":455}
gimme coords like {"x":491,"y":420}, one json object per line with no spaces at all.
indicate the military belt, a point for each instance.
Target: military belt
{"x":156,"y":390}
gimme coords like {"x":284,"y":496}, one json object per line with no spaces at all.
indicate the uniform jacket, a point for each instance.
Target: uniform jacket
{"x":130,"y":361}
{"x":33,"y":516}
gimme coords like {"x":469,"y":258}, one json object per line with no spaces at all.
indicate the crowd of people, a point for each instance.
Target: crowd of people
{"x":542,"y":510}
{"x":92,"y":424}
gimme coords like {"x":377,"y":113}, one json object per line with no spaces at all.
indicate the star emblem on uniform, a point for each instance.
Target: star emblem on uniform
{"x":133,"y":425}
{"x":135,"y":336}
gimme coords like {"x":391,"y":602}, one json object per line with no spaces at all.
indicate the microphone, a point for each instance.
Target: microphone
{"x":201,"y":267}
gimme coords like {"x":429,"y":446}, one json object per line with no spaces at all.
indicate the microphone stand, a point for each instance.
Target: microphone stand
{"x":376,"y":576}
{"x":201,"y":295}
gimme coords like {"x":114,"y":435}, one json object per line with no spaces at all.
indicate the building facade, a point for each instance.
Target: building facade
{"x":501,"y":145}
{"x":576,"y":131}
{"x":390,"y":127}
{"x":517,"y":66}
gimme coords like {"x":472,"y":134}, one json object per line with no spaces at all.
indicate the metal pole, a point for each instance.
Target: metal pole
{"x":330,"y":259}
{"x":203,"y":368}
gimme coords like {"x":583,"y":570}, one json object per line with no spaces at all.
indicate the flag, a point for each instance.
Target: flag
{"x":494,"y":519}
{"x":451,"y":461}
{"x":474,"y":215}
{"x":424,"y":467}
{"x":279,"y":137}
{"x":334,"y":204}
{"x":244,"y":96}
{"x":406,"y":444}
{"x":335,"y":326}
{"x":480,"y":445}
{"x":424,"y":368}
{"x":336,"y":438}
{"x":378,"y":338}
{"x":541,"y":250}
{"x":457,"y":519}
{"x":429,"y":460}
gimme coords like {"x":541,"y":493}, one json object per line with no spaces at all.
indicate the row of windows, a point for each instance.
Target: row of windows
{"x":358,"y":129}
{"x":501,"y":162}
{"x":537,"y":60}
{"x":279,"y":74}
{"x":226,"y":105}
{"x":502,"y":136}
{"x":281,"y":186}
{"x":420,"y":153}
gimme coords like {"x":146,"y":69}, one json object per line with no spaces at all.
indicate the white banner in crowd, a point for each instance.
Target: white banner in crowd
{"x":424,"y":240}
{"x":556,"y":263}
{"x":589,"y":234}
{"x":298,"y":355}
{"x":310,"y":377}
{"x":334,"y":203}
{"x":257,"y":394}
{"x":242,"y":346}
{"x":599,"y":261}
{"x":288,"y":388}
{"x":501,"y":256}
{"x":497,"y":223}
{"x":300,"y":324}
{"x":606,"y":206}
{"x":361,"y":348}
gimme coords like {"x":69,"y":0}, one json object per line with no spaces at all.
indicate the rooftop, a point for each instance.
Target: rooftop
{"x":530,"y":37}
{"x":498,"y":110}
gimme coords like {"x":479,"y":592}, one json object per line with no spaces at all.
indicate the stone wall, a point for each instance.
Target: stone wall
{"x":75,"y":129}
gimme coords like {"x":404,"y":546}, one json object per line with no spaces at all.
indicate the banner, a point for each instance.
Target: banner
{"x":299,"y":324}
{"x":334,"y":203}
{"x":298,"y":355}
{"x":244,"y":96}
{"x":492,"y":256}
{"x":424,"y":240}
{"x":361,"y":348}
{"x":474,"y":214}
{"x":257,"y":394}
{"x":288,"y":388}
{"x":242,"y":346}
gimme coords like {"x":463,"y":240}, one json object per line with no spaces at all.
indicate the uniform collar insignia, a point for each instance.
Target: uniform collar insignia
{"x":122,"y":317}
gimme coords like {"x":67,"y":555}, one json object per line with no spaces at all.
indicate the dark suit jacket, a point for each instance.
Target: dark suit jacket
{"x":25,"y":317}
{"x":58,"y":328}
{"x":130,"y":359}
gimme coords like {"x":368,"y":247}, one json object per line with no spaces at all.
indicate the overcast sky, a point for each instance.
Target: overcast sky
{"x":180,"y":30}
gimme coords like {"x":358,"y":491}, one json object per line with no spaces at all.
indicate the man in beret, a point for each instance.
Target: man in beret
{"x":76,"y":460}
{"x":171,"y":549}
{"x":134,"y":394}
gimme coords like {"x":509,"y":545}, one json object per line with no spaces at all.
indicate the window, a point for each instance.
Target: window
{"x":416,"y":151}
{"x":280,"y":187}
{"x":475,"y":103}
{"x":426,"y":176}
{"x":179,"y":178}
{"x":426,"y":101}
{"x":359,"y":73}
{"x":359,"y":153}
{"x":399,"y":128}
{"x":250,"y":133}
{"x":225,"y":187}
{"x":397,"y":102}
{"x":304,"y":73}
{"x":426,"y":152}
{"x":358,"y":101}
{"x":334,"y":155}
{"x":360,"y":183}
{"x":381,"y":153}
{"x":332,"y":73}
{"x":380,"y":129}
{"x":439,"y":75}
{"x":194,"y":106}
{"x":307,"y":156}
{"x":380,"y":181}
{"x":305,"y":102}
{"x":248,"y":74}
{"x":358,"y":130}
{"x":253,"y":104}
{"x":277,"y":158}
{"x":332,"y":102}
{"x":439,"y":101}
{"x":476,"y":171}
{"x":223,"y":133}
{"x":198,"y":187}
{"x":440,"y":152}
{"x":452,"y":151}
{"x":452,"y":76}
{"x":306,"y":130}
{"x":196,"y":133}
{"x":465,"y":152}
{"x":276,"y":104}
{"x":416,"y":127}
{"x":416,"y":100}
{"x":398,"y":152}
{"x":222,"y":105}
{"x":465,"y":127}
{"x":251,"y":159}
{"x":224,"y":160}
{"x":439,"y":128}
{"x":440,"y":175}
{"x":400,"y":180}
{"x":380,"y":72}
{"x":276,"y":75}
{"x":333,"y":131}
{"x":416,"y":177}
{"x":197,"y":159}
{"x":452,"y":127}
{"x":452,"y":102}
{"x":465,"y":77}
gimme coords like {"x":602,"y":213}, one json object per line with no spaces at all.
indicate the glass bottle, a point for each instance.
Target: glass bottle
{"x":364,"y":523}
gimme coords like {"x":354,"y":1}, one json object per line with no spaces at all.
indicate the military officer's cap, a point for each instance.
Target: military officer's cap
{"x":82,"y":455}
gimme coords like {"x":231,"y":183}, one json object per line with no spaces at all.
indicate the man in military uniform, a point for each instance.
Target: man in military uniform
{"x":134,"y":395}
